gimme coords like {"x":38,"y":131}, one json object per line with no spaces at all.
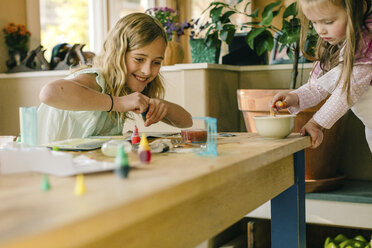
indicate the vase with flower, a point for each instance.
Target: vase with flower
{"x":16,"y":39}
{"x":169,"y":18}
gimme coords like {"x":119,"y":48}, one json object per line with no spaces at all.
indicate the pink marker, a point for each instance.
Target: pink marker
{"x":135,"y":137}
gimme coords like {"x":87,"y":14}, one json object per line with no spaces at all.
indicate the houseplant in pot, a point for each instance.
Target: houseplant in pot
{"x":204,"y":48}
{"x":206,"y":37}
{"x":262,"y":32}
{"x":16,"y":39}
{"x":219,"y":28}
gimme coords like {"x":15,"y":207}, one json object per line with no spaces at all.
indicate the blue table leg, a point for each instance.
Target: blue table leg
{"x":288,"y":224}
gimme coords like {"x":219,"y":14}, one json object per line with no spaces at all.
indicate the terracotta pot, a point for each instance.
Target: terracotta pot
{"x":320,"y":163}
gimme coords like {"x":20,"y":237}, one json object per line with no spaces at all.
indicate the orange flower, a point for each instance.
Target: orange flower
{"x":13,"y":29}
{"x":16,"y":37}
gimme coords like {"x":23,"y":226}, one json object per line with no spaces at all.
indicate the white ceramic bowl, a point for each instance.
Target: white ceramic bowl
{"x":274,"y":127}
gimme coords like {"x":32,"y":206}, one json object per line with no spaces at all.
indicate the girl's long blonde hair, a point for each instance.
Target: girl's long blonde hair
{"x":329,"y":55}
{"x":131,"y":32}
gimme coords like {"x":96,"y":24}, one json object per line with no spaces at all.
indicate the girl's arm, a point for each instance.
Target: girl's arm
{"x":81,"y":93}
{"x":309,"y":95}
{"x":84,"y":94}
{"x":336,"y":105}
{"x":170,"y":113}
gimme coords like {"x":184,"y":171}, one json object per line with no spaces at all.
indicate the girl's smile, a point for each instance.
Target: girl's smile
{"x":143,"y":64}
{"x":140,"y":78}
{"x":329,"y":21}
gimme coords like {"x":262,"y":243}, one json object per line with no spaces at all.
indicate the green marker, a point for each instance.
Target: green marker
{"x":45,"y":185}
{"x":121,"y":163}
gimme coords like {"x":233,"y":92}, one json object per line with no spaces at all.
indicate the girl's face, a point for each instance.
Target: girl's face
{"x":143,"y":64}
{"x":329,"y":21}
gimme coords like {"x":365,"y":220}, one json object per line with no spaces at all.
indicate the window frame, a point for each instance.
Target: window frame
{"x":102,"y":16}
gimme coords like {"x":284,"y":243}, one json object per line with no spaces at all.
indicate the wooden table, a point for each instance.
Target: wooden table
{"x":178,"y":200}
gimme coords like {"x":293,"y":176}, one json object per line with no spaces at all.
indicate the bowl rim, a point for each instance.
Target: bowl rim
{"x":273,"y":117}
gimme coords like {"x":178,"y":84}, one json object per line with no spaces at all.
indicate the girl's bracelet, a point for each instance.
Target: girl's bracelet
{"x":112,"y":102}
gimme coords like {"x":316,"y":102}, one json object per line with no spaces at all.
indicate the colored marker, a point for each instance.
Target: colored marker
{"x":135,"y":137}
{"x":121,"y":163}
{"x":45,"y":185}
{"x":80,"y":188}
{"x":144,"y":152}
{"x":145,"y":113}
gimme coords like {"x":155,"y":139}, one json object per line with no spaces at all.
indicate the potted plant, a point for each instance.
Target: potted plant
{"x":262,"y":32}
{"x":168,"y":17}
{"x":203,"y":48}
{"x":16,"y":39}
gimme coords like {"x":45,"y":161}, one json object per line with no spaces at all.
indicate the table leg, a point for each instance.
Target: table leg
{"x":288,"y":224}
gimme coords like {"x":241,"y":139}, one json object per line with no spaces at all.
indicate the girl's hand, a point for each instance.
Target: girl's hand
{"x":315,"y":131}
{"x":157,"y":111}
{"x":283,"y":100}
{"x":135,"y":102}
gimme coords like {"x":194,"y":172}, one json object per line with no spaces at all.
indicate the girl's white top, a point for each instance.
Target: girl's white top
{"x":57,"y":124}
{"x":320,"y":86}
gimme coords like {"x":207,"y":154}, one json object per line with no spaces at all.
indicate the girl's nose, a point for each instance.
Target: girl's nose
{"x":146,"y":69}
{"x":322,"y":30}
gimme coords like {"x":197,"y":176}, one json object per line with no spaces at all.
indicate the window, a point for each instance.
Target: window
{"x":197,"y":7}
{"x":64,"y":21}
{"x":82,"y":21}
{"x":120,"y":8}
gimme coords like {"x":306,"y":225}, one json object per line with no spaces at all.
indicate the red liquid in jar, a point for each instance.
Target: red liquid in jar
{"x":194,"y":135}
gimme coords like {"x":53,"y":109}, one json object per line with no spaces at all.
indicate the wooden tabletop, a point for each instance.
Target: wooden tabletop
{"x":178,"y":200}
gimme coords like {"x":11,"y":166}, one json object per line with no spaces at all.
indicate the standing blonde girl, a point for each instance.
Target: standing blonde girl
{"x":342,"y":68}
{"x":124,"y":78}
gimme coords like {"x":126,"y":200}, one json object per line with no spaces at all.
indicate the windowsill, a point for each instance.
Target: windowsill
{"x":195,"y":66}
{"x":31,"y":74}
{"x":176,"y":67}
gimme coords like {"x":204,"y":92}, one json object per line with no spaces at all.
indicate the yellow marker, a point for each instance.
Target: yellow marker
{"x":79,"y":185}
{"x":144,"y":144}
{"x":144,"y":152}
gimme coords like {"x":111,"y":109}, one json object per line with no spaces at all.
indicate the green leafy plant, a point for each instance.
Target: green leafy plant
{"x":262,"y":33}
{"x":218,"y":27}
